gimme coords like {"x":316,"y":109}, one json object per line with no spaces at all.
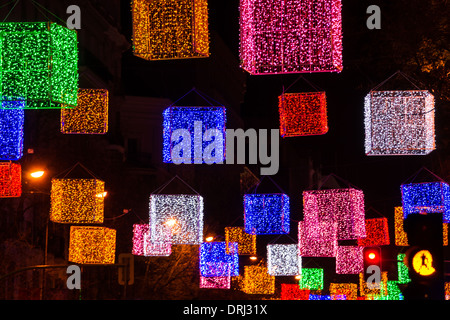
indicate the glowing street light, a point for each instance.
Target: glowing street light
{"x":37,"y":174}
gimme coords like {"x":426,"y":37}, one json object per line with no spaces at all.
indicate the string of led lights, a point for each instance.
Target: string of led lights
{"x":266,"y":213}
{"x":303,"y":114}
{"x":11,"y":129}
{"x":399,"y":123}
{"x":216,"y":262}
{"x":77,"y":201}
{"x":196,"y":126}
{"x":284,"y":260}
{"x":92,"y":245}
{"x":90,"y":116}
{"x":182,"y":213}
{"x":170,"y":29}
{"x":10,"y":180}
{"x":290,"y":36}
{"x":39,"y":65}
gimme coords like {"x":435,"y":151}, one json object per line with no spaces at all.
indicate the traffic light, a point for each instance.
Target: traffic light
{"x":372,"y":267}
{"x":424,"y":258}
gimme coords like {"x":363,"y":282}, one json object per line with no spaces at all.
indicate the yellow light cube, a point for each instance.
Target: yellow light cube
{"x":77,"y":201}
{"x":170,"y":29}
{"x":92,"y":245}
{"x":90,"y":116}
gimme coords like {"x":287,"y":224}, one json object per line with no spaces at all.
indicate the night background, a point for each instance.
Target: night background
{"x":414,"y":38}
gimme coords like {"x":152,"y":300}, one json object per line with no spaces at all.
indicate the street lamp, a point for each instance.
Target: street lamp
{"x":37,"y":174}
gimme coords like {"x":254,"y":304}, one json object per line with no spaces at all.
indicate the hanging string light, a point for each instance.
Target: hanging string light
{"x":293,"y":292}
{"x":428,"y":197}
{"x":290,"y":36}
{"x":266,"y":213}
{"x":216,"y":262}
{"x":39,"y":64}
{"x":92,"y":245}
{"x":311,"y":278}
{"x":257,"y":280}
{"x":317,"y":240}
{"x":246,"y":242}
{"x":194,"y":135}
{"x":182,"y":213}
{"x":303,"y":114}
{"x":11,"y":129}
{"x":170,"y":29}
{"x":90,"y":116}
{"x":144,"y":244}
{"x":349,"y":260}
{"x":10,"y":180}
{"x":77,"y":201}
{"x":344,"y":206}
{"x":399,"y":123}
{"x":215,"y":282}
{"x":373,"y":293}
{"x":343,"y":291}
{"x":284,"y":260}
{"x":377,"y":233}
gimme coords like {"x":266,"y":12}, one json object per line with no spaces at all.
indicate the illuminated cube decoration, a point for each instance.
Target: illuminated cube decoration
{"x":146,"y":245}
{"x":344,"y":206}
{"x":373,"y":293}
{"x":403,"y":271}
{"x":138,"y":238}
{"x":158,"y":243}
{"x":399,"y":123}
{"x":258,"y":281}
{"x":293,"y":292}
{"x":303,"y":114}
{"x":215,"y":282}
{"x":428,"y":197}
{"x":188,"y":135}
{"x":266,"y":213}
{"x":338,"y":290}
{"x":39,"y":64}
{"x":92,"y":245}
{"x":349,"y":260}
{"x":216,"y":262}
{"x":283,"y":260}
{"x":401,"y":237}
{"x":11,"y":130}
{"x":447,"y":290}
{"x":10,"y":180}
{"x":317,"y":240}
{"x":377,"y":233}
{"x":77,"y":201}
{"x":170,"y":29}
{"x":290,"y":36}
{"x":319,"y":297}
{"x":311,"y":278}
{"x":246,"y":242}
{"x":90,"y":116}
{"x":182,"y":213}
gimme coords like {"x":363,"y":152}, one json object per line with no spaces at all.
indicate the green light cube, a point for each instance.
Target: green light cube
{"x":311,"y":278}
{"x":39,"y":63}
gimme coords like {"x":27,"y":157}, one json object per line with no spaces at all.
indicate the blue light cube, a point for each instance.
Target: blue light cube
{"x":216,"y":262}
{"x":266,"y":213}
{"x":194,"y":135}
{"x":11,"y":130}
{"x":428,"y":197}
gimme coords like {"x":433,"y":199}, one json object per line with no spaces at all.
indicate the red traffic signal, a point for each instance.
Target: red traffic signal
{"x":372,"y":255}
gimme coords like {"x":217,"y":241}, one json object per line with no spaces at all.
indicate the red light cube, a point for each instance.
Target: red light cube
{"x":303,"y":114}
{"x":10,"y":180}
